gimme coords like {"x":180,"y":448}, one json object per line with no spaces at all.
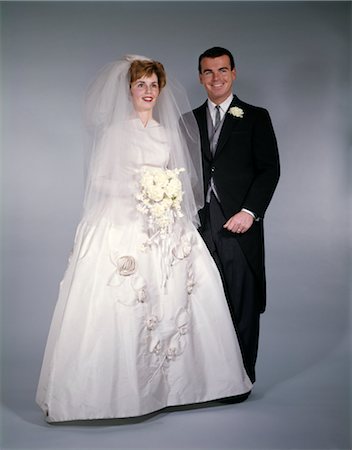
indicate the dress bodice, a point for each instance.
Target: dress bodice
{"x":148,"y":145}
{"x":124,"y":150}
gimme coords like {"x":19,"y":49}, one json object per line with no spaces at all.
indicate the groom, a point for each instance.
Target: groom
{"x":241,"y":171}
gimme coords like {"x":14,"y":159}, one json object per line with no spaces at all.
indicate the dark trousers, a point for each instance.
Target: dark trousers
{"x":239,"y":283}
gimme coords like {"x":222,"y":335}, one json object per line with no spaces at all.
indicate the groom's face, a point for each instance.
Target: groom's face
{"x":217,"y":77}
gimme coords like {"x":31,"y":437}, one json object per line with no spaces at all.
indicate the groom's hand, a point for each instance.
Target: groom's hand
{"x":239,"y":223}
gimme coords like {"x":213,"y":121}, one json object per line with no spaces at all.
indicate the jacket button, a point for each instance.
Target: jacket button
{"x":212,"y":169}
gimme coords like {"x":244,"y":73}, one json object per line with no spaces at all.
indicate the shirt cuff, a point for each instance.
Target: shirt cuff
{"x":249,"y":212}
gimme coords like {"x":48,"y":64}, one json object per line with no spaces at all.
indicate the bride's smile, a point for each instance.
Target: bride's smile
{"x":144,"y":93}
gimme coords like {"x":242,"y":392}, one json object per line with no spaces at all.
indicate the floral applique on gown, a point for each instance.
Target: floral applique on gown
{"x":137,"y":328}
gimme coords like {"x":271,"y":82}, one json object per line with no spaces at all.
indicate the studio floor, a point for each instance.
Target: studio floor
{"x":297,"y":403}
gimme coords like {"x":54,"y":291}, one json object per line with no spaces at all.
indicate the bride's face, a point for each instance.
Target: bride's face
{"x":144,"y":93}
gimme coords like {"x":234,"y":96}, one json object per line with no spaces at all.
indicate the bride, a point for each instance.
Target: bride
{"x":141,"y":321}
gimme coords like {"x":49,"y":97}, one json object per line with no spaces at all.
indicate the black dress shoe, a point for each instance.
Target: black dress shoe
{"x":235,"y":399}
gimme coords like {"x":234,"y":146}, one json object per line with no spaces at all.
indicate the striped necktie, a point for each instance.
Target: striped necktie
{"x":217,"y":117}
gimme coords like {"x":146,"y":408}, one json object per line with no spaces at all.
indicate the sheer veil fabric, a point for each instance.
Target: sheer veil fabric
{"x":109,"y":109}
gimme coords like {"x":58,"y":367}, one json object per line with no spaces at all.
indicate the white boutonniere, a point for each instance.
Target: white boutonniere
{"x":235,"y":111}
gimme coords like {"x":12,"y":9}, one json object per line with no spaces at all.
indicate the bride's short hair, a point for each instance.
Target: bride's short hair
{"x":146,"y":68}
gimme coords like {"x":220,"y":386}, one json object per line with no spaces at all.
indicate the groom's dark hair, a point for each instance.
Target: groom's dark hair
{"x":215,"y":52}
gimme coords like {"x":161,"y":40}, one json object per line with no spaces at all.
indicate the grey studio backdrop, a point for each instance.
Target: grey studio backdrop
{"x":294,"y":59}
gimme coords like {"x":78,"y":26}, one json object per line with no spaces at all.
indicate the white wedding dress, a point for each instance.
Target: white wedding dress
{"x":138,"y":328}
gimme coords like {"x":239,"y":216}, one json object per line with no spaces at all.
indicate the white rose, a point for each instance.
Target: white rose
{"x":173,"y":189}
{"x":161,"y":179}
{"x":155,"y":193}
{"x":236,"y":112}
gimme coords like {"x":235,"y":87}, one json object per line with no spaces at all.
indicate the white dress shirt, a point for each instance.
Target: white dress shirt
{"x":224,"y":106}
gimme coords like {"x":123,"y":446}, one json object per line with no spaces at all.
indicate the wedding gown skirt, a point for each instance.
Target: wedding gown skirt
{"x":137,"y":329}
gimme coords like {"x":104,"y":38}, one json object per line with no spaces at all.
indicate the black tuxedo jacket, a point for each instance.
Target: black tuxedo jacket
{"x":245,"y":169}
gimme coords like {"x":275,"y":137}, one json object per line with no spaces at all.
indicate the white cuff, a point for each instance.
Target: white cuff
{"x":249,"y":212}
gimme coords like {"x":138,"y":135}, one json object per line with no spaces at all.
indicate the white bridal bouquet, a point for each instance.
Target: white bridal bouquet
{"x":160,"y":196}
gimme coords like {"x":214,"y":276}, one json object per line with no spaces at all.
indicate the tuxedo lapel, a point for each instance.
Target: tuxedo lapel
{"x":203,"y":130}
{"x":230,"y":123}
